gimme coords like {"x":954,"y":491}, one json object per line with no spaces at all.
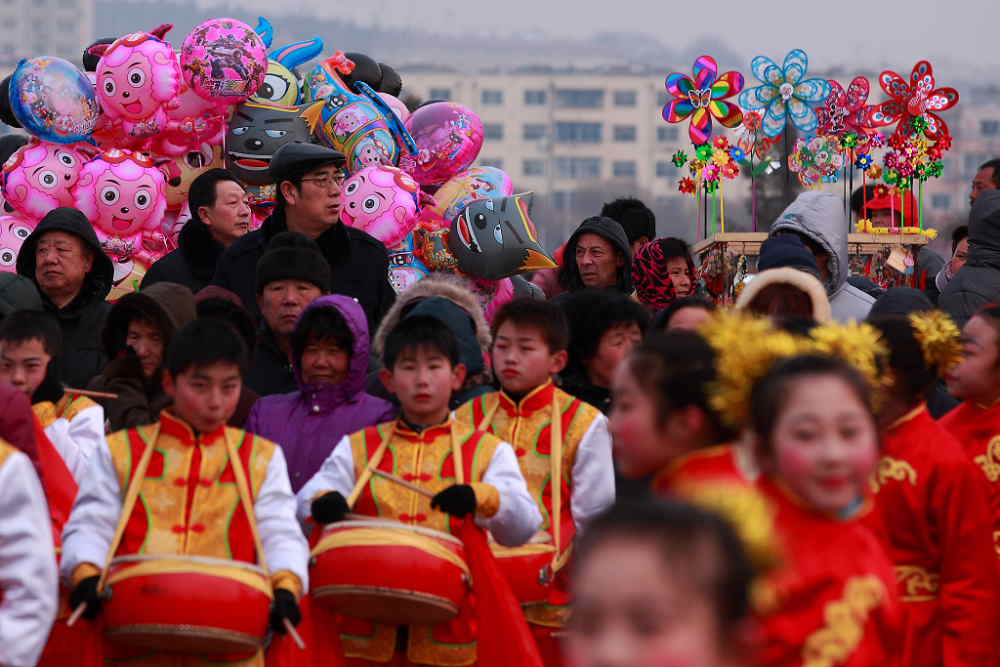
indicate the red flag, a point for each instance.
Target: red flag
{"x":504,"y":636}
{"x":57,"y":481}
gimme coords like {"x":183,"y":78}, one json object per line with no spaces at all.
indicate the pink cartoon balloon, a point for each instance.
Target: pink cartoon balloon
{"x":123,"y":194}
{"x":40,"y":176}
{"x":449,"y":136}
{"x":224,"y":60}
{"x":13,"y":231}
{"x":137,"y":77}
{"x":381,"y":200}
{"x":396,"y":105}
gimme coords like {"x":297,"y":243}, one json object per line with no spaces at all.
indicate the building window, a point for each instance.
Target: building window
{"x":665,"y":170}
{"x":580,"y":99}
{"x":625,"y":132}
{"x":534,"y":131}
{"x":491,"y":97}
{"x":666,"y":133}
{"x":493,"y":131}
{"x":560,"y":200}
{"x":623,"y":169}
{"x":663,"y":99}
{"x":625,"y":98}
{"x":535,"y":98}
{"x":439,"y":94}
{"x":533,"y":167}
{"x":496,"y":163}
{"x":578,"y":168}
{"x":989,"y":128}
{"x":941,"y":201}
{"x":578,"y":133}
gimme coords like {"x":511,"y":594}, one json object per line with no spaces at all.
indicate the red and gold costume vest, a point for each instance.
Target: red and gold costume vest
{"x":67,"y":407}
{"x":424,"y":459}
{"x":527,"y":426}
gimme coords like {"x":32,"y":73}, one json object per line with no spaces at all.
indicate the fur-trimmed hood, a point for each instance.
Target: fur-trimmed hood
{"x":789,"y":276}
{"x":450,"y":287}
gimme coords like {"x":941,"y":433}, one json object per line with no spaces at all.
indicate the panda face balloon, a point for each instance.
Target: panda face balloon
{"x":495,"y":238}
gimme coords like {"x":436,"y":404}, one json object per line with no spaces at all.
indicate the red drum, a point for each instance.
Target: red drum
{"x":389,"y":572}
{"x":187,"y":604}
{"x":527,"y":568}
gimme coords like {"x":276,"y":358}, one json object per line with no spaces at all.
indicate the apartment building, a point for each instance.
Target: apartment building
{"x":30,"y":28}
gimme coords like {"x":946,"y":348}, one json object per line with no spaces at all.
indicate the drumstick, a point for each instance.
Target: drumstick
{"x":402,"y":482}
{"x":75,"y":616}
{"x":90,"y":392}
{"x":295,"y":635}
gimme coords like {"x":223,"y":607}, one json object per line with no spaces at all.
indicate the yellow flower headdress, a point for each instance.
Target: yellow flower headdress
{"x":939,"y":337}
{"x":858,"y":344}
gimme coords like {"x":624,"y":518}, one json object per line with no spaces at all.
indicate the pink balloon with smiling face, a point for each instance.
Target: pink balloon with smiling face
{"x":13,"y":231}
{"x":40,"y":176}
{"x":137,"y":76}
{"x":123,"y":195}
{"x":380,"y":200}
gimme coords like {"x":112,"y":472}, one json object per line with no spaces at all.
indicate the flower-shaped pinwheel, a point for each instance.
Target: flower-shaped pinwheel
{"x":785,"y":93}
{"x":817,"y":159}
{"x":751,"y":139}
{"x":846,"y":112}
{"x":916,"y":99}
{"x":703,"y":97}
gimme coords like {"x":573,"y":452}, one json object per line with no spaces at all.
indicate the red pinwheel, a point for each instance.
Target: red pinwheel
{"x":916,"y":99}
{"x":845,"y":112}
{"x":703,"y":97}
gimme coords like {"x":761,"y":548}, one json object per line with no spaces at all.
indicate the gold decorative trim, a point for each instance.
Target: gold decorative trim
{"x":845,"y":620}
{"x":380,"y":537}
{"x":892,"y":469}
{"x":989,"y":460}
{"x":916,"y":584}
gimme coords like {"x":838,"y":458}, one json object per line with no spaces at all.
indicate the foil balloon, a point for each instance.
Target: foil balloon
{"x":358,"y":124}
{"x":396,"y":105}
{"x":224,"y":60}
{"x":382,"y":201}
{"x":192,"y":121}
{"x":448,"y":136}
{"x":53,"y":100}
{"x":181,"y":171}
{"x":137,"y":77}
{"x":467,"y":186}
{"x":13,"y":231}
{"x":281,"y":83}
{"x":256,"y":131}
{"x":40,"y":176}
{"x":495,"y":238}
{"x":123,"y":194}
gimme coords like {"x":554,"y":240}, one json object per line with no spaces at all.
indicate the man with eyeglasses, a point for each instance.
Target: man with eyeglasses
{"x":308,"y":179}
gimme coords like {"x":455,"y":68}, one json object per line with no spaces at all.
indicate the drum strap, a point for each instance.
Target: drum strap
{"x":245,"y":498}
{"x":138,"y":475}
{"x":555,"y":460}
{"x":487,"y":421}
{"x":373,"y":462}
{"x":456,"y":455}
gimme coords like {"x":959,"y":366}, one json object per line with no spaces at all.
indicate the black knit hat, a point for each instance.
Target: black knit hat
{"x":786,"y":250}
{"x":293,"y":256}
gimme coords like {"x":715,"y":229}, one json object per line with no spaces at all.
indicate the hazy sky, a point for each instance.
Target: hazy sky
{"x":952,"y":33}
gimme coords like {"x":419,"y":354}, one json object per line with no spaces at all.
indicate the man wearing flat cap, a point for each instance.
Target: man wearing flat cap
{"x":308,"y":179}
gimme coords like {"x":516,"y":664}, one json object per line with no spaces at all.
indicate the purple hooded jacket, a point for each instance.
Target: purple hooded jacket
{"x":310,"y":422}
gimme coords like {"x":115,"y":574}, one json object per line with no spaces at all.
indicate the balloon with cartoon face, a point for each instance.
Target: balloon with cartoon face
{"x":448,"y":137}
{"x":123,"y":194}
{"x":256,"y":131}
{"x":13,"y":231}
{"x":40,"y":176}
{"x":137,"y":76}
{"x":224,"y":60}
{"x":183,"y":169}
{"x":380,"y":200}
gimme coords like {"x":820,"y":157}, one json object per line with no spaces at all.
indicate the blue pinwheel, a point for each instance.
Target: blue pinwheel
{"x":785,"y":93}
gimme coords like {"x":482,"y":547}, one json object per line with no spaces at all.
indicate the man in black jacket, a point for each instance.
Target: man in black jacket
{"x":64,"y":259}
{"x":309,"y":179}
{"x":219,"y":216}
{"x":597,"y":255}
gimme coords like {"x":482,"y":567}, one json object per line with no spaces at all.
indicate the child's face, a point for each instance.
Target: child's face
{"x":205,"y":396}
{"x":643,"y":441}
{"x":24,"y":364}
{"x":614,"y":346}
{"x":631,"y":610}
{"x":825,"y":443}
{"x":977,"y":378}
{"x":423,"y":380}
{"x":522,"y":359}
{"x":324,"y":361}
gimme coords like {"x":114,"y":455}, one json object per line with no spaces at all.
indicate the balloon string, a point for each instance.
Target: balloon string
{"x":920,"y":206}
{"x":753,"y":182}
{"x":722,"y":207}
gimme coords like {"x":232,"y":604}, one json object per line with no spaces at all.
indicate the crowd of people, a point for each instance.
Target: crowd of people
{"x":808,"y":476}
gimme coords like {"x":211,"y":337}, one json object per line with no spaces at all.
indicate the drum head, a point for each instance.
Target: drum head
{"x":387,"y":605}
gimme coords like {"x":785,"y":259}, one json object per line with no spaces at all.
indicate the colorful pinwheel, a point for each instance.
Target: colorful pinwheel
{"x":846,"y":112}
{"x":817,"y":159}
{"x":785,"y":93}
{"x":751,"y":139}
{"x":703,"y":97}
{"x":916,"y":99}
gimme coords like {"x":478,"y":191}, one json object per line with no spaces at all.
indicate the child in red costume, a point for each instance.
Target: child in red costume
{"x":976,"y":422}
{"x":833,"y":600}
{"x":931,"y":506}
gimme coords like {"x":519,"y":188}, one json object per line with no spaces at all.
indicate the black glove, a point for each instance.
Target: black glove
{"x":329,"y":508}
{"x":284,"y":606}
{"x":457,"y":500}
{"x":86,"y":591}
